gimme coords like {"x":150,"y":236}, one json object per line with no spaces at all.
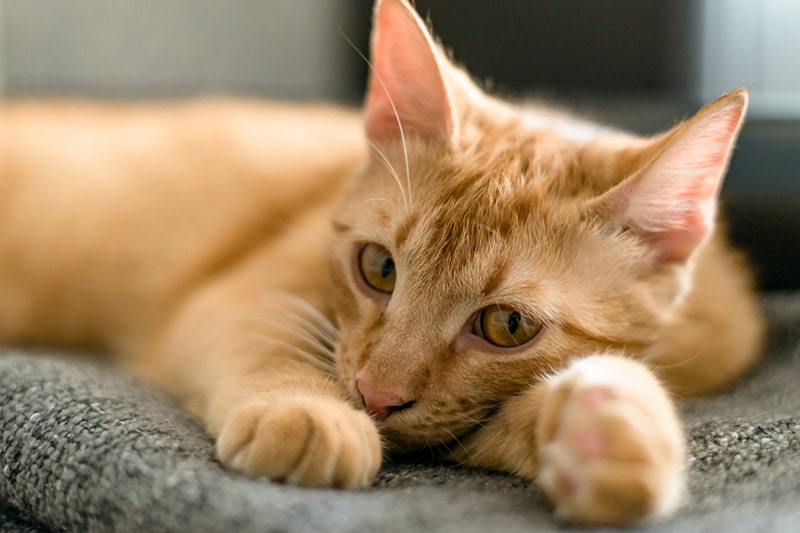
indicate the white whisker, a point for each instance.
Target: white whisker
{"x":307,"y":357}
{"x":657,"y":367}
{"x":322,"y":320}
{"x":392,"y":171}
{"x":459,"y":444}
{"x":328,"y":337}
{"x":316,"y":319}
{"x":407,"y":200}
{"x":303,"y":335}
{"x":373,"y":200}
{"x":298,"y":328}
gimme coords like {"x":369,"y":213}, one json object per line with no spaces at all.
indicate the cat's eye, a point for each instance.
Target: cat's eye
{"x":377,"y":267}
{"x":506,"y":327}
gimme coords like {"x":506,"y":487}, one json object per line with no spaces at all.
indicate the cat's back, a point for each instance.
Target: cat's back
{"x":38,"y":136}
{"x":193,"y":166}
{"x":186,"y":153}
{"x":137,"y":200}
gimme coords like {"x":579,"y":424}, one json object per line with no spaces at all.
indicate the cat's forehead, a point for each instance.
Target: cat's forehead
{"x":484,"y":223}
{"x":470,"y":251}
{"x":472,"y":198}
{"x":516,"y":164}
{"x":500,"y":192}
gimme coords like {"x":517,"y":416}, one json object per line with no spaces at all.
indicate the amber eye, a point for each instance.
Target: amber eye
{"x":377,"y":267}
{"x":506,"y":327}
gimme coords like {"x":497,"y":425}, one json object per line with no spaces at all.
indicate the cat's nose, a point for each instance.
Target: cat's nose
{"x":382,"y":403}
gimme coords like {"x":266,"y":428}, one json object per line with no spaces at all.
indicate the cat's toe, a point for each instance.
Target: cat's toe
{"x":302,"y":440}
{"x":611,"y":449}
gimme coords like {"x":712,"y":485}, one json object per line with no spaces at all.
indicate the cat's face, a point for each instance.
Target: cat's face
{"x":482,"y":246}
{"x":475,"y":279}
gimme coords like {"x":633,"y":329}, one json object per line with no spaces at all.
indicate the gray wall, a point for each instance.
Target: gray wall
{"x":296,"y":48}
{"x":755,"y":44}
{"x":157,"y":48}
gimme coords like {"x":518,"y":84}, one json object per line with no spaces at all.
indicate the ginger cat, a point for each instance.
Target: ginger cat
{"x":514,"y":287}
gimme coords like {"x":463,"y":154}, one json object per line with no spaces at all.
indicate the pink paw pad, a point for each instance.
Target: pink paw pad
{"x":593,"y":398}
{"x":589,"y":442}
{"x":591,"y":445}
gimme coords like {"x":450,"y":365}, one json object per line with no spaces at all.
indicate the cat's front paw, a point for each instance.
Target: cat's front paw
{"x":611,"y":449}
{"x":303,"y":440}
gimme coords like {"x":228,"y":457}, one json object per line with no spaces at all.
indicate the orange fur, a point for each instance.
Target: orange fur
{"x":212,"y":247}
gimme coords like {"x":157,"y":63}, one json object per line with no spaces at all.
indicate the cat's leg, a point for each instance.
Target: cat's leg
{"x":252,"y":372}
{"x":601,"y":439}
{"x":297,"y":427}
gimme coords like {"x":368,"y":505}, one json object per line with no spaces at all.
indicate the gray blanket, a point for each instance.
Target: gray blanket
{"x":83,"y":448}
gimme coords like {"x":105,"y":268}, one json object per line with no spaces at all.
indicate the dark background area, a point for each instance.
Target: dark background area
{"x":613,"y":45}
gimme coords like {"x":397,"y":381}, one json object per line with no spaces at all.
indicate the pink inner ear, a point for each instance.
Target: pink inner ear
{"x":673,"y":200}
{"x":677,"y":243}
{"x":406,"y":94}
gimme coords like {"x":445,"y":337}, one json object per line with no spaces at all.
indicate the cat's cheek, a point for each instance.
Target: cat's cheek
{"x":346,"y":303}
{"x":346,"y":368}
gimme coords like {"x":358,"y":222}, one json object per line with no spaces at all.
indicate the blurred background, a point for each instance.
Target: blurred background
{"x":637,"y":65}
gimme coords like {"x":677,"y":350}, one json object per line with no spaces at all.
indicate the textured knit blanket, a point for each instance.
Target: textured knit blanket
{"x":83,"y":448}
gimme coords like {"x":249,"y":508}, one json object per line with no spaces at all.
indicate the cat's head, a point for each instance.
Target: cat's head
{"x":485,"y":245}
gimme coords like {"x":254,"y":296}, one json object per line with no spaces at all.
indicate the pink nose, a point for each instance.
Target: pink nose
{"x":381,"y":403}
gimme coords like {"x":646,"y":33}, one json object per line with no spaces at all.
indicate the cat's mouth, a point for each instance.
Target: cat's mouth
{"x":412,"y":429}
{"x":423,"y":423}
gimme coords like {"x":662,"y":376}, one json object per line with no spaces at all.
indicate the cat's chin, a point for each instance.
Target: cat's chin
{"x":401,"y":446}
{"x":404,"y":438}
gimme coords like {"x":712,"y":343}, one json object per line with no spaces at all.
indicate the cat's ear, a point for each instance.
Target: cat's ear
{"x":672,"y":200}
{"x":407,"y":94}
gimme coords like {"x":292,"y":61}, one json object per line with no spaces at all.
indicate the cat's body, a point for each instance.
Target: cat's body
{"x":148,"y":202}
{"x":209,"y":246}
